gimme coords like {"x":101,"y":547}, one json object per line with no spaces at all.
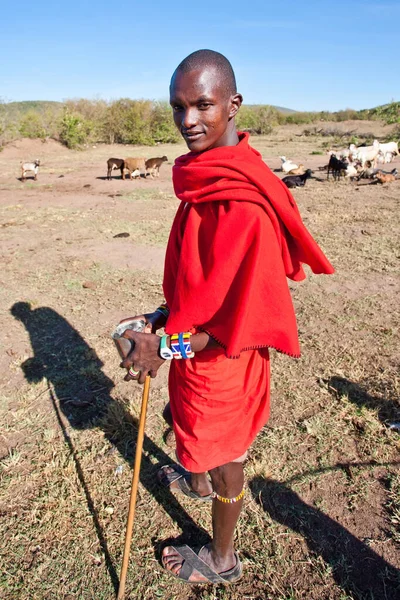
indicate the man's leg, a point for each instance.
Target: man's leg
{"x":199,"y":481}
{"x":167,"y":415}
{"x":219,"y":554}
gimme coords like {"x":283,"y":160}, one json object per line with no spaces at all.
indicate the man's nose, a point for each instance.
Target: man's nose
{"x":189,"y":118}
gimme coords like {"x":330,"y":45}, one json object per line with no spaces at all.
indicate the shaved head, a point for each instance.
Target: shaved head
{"x":204,"y":101}
{"x":202,"y":59}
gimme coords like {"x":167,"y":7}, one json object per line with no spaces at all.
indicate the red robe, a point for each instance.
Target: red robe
{"x":236,"y":236}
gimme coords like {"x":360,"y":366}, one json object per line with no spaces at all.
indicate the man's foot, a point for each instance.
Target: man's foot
{"x":178,"y":479}
{"x":202,"y":566}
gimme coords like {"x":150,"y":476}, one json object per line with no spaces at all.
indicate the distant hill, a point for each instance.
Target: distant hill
{"x":42,"y":105}
{"x":18,"y":108}
{"x":390,"y":113}
{"x":281,"y":109}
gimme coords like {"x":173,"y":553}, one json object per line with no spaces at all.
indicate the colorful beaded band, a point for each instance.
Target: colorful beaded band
{"x":228,"y":500}
{"x":163,"y":309}
{"x":180,"y":345}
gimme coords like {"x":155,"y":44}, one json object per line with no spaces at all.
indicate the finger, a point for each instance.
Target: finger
{"x":142,"y":377}
{"x":132,"y":375}
{"x":133,"y":372}
{"x":128,"y":361}
{"x":153,"y":374}
{"x":130,"y":378}
{"x":148,"y":328}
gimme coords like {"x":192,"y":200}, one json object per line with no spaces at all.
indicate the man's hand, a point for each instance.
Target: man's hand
{"x":144,"y":357}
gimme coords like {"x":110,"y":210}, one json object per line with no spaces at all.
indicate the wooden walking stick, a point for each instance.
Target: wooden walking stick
{"x":134,"y":489}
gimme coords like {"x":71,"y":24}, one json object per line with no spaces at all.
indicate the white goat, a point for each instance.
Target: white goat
{"x":351,"y":171}
{"x":32,"y":166}
{"x":385,"y":157}
{"x":364,"y":153}
{"x":340,"y":154}
{"x":389,"y":147}
{"x":287,"y":165}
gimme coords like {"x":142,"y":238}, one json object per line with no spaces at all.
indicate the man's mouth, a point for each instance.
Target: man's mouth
{"x":192,"y":136}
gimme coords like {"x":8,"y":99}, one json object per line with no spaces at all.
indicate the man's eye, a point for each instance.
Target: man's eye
{"x":204,"y":105}
{"x":176,"y":108}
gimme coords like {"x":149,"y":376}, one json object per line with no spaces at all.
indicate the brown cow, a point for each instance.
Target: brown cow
{"x":153,"y":165}
{"x":115,"y":163}
{"x":134,"y":166}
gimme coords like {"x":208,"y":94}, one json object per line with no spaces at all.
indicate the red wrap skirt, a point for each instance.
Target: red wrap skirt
{"x":218,"y":406}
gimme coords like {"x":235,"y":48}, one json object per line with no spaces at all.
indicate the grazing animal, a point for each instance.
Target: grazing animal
{"x":370,"y":173}
{"x":385,"y":157}
{"x":336,"y":166}
{"x":392,"y":147}
{"x":30,"y":166}
{"x":382,"y":178}
{"x":153,"y":165}
{"x":293,"y":181}
{"x":134,"y":166}
{"x":341,"y":154}
{"x":287,"y":165}
{"x":299,"y":171}
{"x":115,"y":163}
{"x":364,"y":153}
{"x":351,"y":171}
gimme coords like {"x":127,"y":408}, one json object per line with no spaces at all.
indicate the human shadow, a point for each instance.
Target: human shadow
{"x":356,"y":568}
{"x":82,"y":398}
{"x":387,"y":408}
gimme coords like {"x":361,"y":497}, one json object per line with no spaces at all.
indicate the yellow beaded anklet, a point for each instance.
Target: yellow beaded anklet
{"x":228,"y":500}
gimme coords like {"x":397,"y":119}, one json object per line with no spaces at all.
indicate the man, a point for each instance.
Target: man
{"x":236,"y":236}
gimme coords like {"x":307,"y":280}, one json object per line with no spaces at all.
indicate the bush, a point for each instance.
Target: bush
{"x":301,"y":118}
{"x":74,"y":131}
{"x":31,"y":126}
{"x":258,"y":119}
{"x":389,"y":113}
{"x":163,"y":128}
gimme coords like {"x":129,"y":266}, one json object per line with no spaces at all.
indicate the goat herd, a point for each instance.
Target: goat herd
{"x":352,"y":162}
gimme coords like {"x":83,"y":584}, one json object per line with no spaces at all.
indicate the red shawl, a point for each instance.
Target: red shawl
{"x":236,"y":236}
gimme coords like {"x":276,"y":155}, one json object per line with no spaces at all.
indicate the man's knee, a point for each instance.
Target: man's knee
{"x":226,"y":477}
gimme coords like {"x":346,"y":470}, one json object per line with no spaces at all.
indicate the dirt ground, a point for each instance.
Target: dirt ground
{"x":321,"y":518}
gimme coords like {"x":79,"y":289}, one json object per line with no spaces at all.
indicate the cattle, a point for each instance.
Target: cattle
{"x":115,"y":163}
{"x":134,"y":166}
{"x":153,"y":165}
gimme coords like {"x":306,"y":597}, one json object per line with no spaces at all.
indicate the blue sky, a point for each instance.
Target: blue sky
{"x":307,"y":56}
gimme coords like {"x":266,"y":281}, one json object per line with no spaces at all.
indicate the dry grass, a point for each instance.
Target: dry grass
{"x":321,"y":518}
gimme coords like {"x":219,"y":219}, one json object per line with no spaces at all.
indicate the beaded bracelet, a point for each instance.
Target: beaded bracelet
{"x":228,"y":500}
{"x":180,"y":345}
{"x":163,"y":309}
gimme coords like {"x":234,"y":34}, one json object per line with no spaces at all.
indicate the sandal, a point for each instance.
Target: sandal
{"x":183,"y":478}
{"x":192,"y":562}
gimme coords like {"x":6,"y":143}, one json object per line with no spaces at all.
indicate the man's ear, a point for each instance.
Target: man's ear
{"x":236,"y":103}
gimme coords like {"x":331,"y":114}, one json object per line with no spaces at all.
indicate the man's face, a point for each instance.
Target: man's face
{"x":202,"y":108}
